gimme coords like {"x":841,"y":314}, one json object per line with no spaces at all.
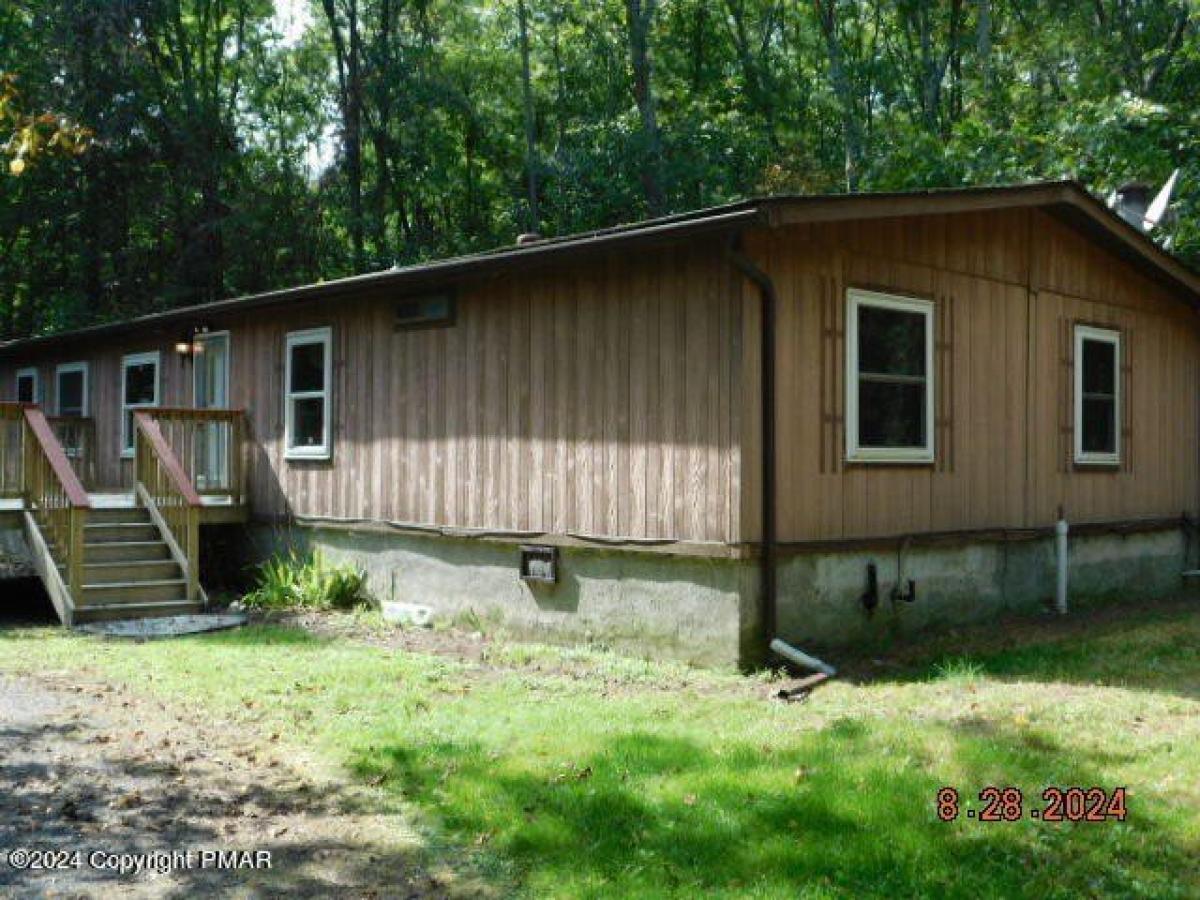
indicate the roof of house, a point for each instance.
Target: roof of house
{"x":1068,"y":200}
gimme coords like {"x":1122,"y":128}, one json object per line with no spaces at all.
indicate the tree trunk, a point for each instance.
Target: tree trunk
{"x":851,"y":132}
{"x":639,"y":18}
{"x":983,"y":41}
{"x":348,"y":58}
{"x":531,"y":163}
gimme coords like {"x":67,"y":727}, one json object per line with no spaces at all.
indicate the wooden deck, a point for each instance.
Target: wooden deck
{"x":121,"y":553}
{"x":216,"y":509}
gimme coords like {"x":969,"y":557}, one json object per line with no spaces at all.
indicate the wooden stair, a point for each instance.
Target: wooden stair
{"x":106,"y":562}
{"x":128,"y":569}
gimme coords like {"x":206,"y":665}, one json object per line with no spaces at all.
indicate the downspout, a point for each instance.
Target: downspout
{"x":767,"y":376}
{"x":766,"y":354}
{"x":767,"y":561}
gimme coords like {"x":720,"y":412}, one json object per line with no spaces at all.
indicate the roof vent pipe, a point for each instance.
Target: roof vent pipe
{"x":1132,"y":201}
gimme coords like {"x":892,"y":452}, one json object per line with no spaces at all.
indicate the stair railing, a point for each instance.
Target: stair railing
{"x":210,"y":444}
{"x":56,"y":500}
{"x":77,"y":434}
{"x":164,"y":488}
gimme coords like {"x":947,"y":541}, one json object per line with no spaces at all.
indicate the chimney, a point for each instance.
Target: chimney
{"x":1133,"y":199}
{"x":529,"y":237}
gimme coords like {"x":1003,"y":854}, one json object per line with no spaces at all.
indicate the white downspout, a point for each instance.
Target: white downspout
{"x":1060,"y":545}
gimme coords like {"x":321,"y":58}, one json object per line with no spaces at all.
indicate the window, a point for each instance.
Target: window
{"x":889,"y":378}
{"x":71,"y":389}
{"x":1097,"y":396}
{"x":28,"y":388}
{"x":306,"y":394}
{"x":139,"y":390}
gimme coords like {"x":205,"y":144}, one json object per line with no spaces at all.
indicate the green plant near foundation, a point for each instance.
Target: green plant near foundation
{"x":308,"y":580}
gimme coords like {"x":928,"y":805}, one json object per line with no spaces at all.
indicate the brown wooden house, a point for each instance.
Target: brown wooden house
{"x":817,"y":417}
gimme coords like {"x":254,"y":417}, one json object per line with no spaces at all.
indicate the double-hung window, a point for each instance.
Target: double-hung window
{"x":306,"y":399}
{"x":28,"y":386}
{"x":1097,"y":396}
{"x":71,"y":389}
{"x":139,"y":390}
{"x":889,"y":378}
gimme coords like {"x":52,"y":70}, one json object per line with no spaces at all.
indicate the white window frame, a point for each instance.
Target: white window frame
{"x":66,"y":369}
{"x":324,"y":337}
{"x":128,"y":361}
{"x":1104,"y":336}
{"x":37,"y":383}
{"x":856,"y":298}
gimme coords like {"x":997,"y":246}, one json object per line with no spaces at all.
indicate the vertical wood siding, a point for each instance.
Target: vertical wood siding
{"x":620,"y":397}
{"x":104,"y":391}
{"x":1008,"y":288}
{"x":596,"y":400}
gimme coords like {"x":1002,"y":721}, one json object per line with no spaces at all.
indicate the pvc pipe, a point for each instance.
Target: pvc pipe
{"x":800,"y":658}
{"x":1060,"y":545}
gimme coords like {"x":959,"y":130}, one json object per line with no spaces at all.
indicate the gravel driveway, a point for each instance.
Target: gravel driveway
{"x":101,"y":771}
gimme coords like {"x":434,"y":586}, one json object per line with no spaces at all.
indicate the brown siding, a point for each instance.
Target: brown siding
{"x":589,"y":401}
{"x":104,"y":392}
{"x":1003,"y":401}
{"x":620,"y":397}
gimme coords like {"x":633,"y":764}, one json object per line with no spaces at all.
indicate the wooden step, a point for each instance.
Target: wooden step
{"x":133,"y":551}
{"x":119,"y":532}
{"x":133,"y":592}
{"x":118,"y":515}
{"x":130,"y":571}
{"x":135,"y":611}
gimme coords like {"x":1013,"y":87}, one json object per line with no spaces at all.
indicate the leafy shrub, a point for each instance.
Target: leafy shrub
{"x":308,"y":580}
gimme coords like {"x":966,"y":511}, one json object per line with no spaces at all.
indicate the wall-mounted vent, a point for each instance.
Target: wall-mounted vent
{"x":431,"y":311}
{"x":539,"y":564}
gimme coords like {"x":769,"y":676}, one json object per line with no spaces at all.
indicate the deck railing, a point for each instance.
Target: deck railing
{"x":210,"y":444}
{"x":55,"y":497}
{"x":77,"y":434}
{"x":167,"y":492}
{"x":12,"y":432}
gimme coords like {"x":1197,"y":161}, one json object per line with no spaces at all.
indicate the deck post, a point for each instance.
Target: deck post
{"x":75,"y":553}
{"x":193,"y":553}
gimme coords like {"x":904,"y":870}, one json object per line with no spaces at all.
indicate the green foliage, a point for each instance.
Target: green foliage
{"x":958,"y":668}
{"x":295,"y":580}
{"x":225,"y":159}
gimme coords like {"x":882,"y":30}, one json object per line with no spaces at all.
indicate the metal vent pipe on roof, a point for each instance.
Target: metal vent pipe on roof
{"x":1133,"y":199}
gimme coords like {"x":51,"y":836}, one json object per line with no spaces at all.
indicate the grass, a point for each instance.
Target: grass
{"x":581,"y":774}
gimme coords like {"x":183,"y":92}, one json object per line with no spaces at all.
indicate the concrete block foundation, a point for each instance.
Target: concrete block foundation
{"x":695,"y":609}
{"x":821,"y":592}
{"x":707,"y":611}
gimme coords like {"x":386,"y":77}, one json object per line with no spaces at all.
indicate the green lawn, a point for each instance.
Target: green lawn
{"x":563,"y":773}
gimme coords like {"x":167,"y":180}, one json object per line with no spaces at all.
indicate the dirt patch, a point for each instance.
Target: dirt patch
{"x":491,"y":656}
{"x":90,"y":767}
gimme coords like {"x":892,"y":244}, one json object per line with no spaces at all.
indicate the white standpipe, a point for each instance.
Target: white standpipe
{"x":1060,"y":546}
{"x":800,"y":658}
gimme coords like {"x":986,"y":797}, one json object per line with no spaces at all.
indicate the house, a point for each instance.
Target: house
{"x":823,"y":418}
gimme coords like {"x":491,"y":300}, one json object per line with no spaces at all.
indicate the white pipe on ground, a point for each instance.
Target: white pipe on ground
{"x":1060,"y":545}
{"x":800,"y":658}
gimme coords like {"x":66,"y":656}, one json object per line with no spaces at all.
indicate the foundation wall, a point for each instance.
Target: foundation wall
{"x":821,"y":593}
{"x":695,"y":609}
{"x":707,"y":611}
